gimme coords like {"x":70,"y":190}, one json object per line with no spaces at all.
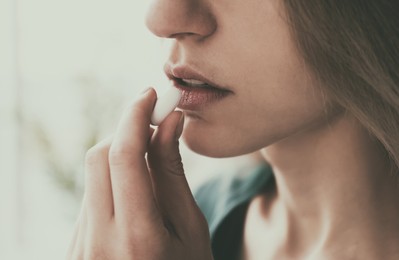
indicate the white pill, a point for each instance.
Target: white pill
{"x":165,"y":105}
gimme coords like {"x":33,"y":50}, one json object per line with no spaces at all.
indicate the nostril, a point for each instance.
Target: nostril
{"x":181,"y":35}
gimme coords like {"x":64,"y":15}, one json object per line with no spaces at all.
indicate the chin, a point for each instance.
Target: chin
{"x":216,"y":146}
{"x":223,"y":140}
{"x":204,"y":149}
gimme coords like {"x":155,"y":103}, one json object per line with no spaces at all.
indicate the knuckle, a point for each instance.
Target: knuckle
{"x":169,"y":162}
{"x":96,"y":154}
{"x":174,"y":166}
{"x":121,"y":155}
{"x":175,"y":161}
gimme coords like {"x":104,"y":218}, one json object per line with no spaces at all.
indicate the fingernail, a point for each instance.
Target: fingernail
{"x":145,"y":93}
{"x":145,"y":90}
{"x":179,"y":127}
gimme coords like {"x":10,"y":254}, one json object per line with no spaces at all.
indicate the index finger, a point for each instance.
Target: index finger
{"x":131,"y":184}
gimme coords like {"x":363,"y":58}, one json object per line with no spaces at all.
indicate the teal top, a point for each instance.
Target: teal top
{"x":224,"y":201}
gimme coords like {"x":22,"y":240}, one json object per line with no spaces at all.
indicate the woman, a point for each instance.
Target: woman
{"x":312,"y":85}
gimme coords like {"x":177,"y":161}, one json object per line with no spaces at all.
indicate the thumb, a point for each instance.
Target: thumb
{"x":163,"y":153}
{"x":171,"y":189}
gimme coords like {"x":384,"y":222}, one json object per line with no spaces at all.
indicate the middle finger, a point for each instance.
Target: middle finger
{"x":131,"y":184}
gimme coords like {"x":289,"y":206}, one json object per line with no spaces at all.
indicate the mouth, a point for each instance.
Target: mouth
{"x":193,"y":83}
{"x":197,"y":91}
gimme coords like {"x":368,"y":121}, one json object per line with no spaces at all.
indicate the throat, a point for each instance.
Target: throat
{"x":334,"y":188}
{"x":272,"y":232}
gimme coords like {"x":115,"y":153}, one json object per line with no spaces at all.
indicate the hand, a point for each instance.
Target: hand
{"x":136,"y":206}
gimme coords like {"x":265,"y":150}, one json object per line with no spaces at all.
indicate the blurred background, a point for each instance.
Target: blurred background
{"x":67,"y":70}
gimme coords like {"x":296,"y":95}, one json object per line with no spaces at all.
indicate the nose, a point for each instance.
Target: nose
{"x":180,"y":19}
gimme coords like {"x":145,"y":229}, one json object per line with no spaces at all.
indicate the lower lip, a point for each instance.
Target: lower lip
{"x":196,"y":98}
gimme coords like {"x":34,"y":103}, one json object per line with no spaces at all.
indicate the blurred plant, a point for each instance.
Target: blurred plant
{"x":98,"y":107}
{"x":64,"y":175}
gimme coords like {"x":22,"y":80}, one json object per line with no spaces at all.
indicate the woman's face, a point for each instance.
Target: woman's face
{"x":245,"y":47}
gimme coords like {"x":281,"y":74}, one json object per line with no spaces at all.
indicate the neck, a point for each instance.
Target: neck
{"x":334,"y":189}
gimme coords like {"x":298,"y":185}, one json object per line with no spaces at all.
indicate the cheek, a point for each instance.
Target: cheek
{"x":275,"y":97}
{"x":266,"y":108}
{"x":251,"y":122}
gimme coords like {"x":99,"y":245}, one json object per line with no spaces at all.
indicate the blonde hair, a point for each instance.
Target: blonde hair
{"x":352,"y":47}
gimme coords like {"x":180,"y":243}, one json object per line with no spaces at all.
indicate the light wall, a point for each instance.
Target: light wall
{"x":67,"y":69}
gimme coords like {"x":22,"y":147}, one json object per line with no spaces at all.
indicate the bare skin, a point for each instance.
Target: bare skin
{"x":334,"y":199}
{"x":334,"y":196}
{"x":129,"y":209}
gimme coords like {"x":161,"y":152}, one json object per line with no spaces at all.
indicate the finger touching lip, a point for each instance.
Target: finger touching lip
{"x":197,"y":90}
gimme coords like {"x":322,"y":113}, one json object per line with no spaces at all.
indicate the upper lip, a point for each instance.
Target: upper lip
{"x":176,"y":72}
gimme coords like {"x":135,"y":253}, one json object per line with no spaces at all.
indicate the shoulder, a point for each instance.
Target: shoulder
{"x":221,"y":194}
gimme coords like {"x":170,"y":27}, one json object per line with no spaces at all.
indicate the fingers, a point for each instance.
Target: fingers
{"x":100,"y":205}
{"x":134,"y":200}
{"x":121,"y":216}
{"x":172,"y":191}
{"x":75,"y":250}
{"x":164,"y":146}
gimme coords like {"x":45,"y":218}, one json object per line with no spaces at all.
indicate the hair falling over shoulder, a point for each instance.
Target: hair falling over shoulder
{"x":352,"y":47}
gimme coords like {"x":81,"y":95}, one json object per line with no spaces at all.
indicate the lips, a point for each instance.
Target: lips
{"x":197,"y":91}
